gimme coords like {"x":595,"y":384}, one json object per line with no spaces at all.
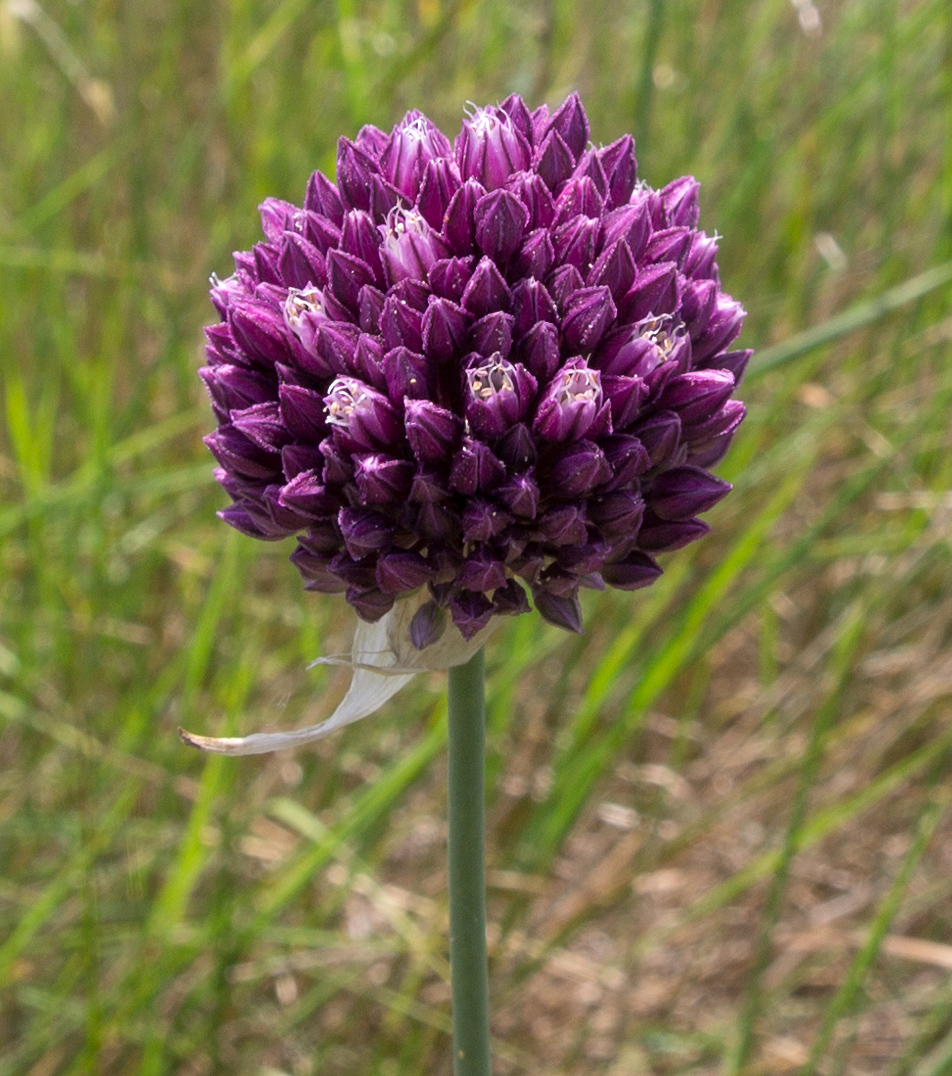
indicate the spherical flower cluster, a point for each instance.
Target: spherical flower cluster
{"x":476,"y":367}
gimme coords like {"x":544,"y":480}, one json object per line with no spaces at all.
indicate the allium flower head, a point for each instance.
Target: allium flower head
{"x":477,"y":369}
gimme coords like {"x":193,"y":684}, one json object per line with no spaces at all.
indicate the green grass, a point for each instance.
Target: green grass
{"x":718,"y":819}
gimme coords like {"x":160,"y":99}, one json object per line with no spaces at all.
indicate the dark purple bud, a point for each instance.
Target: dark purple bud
{"x":302,"y":412}
{"x":297,"y":459}
{"x":497,"y":395}
{"x":241,"y":456}
{"x":683,"y":492}
{"x":337,"y":345}
{"x":615,"y":268}
{"x":449,"y":276}
{"x":486,"y":290}
{"x":482,"y":520}
{"x":372,"y":141}
{"x":669,"y":245}
{"x":306,"y":494}
{"x":490,"y":147}
{"x":529,"y":564}
{"x":400,"y":324}
{"x":536,"y":256}
{"x":354,"y":171}
{"x":635,"y":571}
{"x":459,"y":225}
{"x":698,"y":298}
{"x":579,"y":469}
{"x":437,"y":522}
{"x":661,"y":536}
{"x":517,"y":447}
{"x":620,"y":168}
{"x":660,"y":434}
{"x":627,"y":352}
{"x":300,"y":262}
{"x":492,"y":334}
{"x":531,"y":303}
{"x":539,"y":351}
{"x":440,"y":182}
{"x":626,"y":395}
{"x":360,"y":237}
{"x":564,"y":525}
{"x":428,"y":487}
{"x":471,"y":612}
{"x":510,"y":600}
{"x":563,"y":612}
{"x":369,"y":308}
{"x":364,"y":531}
{"x":407,"y":374}
{"x":563,"y":283}
{"x":627,"y":457}
{"x":414,"y":143}
{"x":370,"y":605}
{"x":346,"y":275}
{"x":575,"y":243}
{"x":579,"y":197}
{"x":432,"y":431}
{"x":722,"y":329}
{"x":583,"y":560}
{"x":445,"y":326}
{"x":585,"y":317}
{"x":410,"y":246}
{"x":697,"y":395}
{"x":735,"y":362}
{"x":501,"y":221}
{"x":367,"y":361}
{"x":323,"y":198}
{"x":235,"y":387}
{"x":571,"y":405}
{"x":617,"y":515}
{"x":481,"y":570}
{"x":520,"y":494}
{"x":314,"y":569}
{"x":362,"y":419}
{"x":631,"y":223}
{"x":402,"y":570}
{"x":258,"y":331}
{"x":709,"y":453}
{"x":680,"y":202}
{"x":554,"y":160}
{"x":427,"y":625}
{"x":571,"y":123}
{"x":725,"y":420}
{"x":338,"y":462}
{"x":381,"y":479}
{"x":656,"y":291}
{"x":531,"y":190}
{"x":590,"y":166}
{"x":475,"y":468}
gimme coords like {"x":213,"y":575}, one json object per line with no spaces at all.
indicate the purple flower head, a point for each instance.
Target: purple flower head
{"x":476,"y":371}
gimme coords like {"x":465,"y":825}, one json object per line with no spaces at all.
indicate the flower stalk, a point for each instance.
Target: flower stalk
{"x":467,"y":872}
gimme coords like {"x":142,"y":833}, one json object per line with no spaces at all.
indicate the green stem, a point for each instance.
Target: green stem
{"x":467,"y":881}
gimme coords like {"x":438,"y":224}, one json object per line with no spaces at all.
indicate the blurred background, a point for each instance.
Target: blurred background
{"x":720,"y":839}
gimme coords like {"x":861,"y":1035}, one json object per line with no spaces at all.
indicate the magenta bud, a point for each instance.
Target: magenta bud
{"x":635,"y":571}
{"x":570,"y":121}
{"x":360,"y":238}
{"x":563,"y":283}
{"x":699,"y":262}
{"x":410,"y":246}
{"x":722,"y":329}
{"x":554,"y":160}
{"x":585,"y":317}
{"x":490,"y":148}
{"x":432,"y":431}
{"x":369,"y":308}
{"x":354,"y":171}
{"x":683,"y":492}
{"x":372,"y":141}
{"x":531,"y":190}
{"x":475,"y":468}
{"x":564,"y":612}
{"x":575,"y":243}
{"x":492,"y":334}
{"x":302,"y":412}
{"x":346,"y":275}
{"x":680,"y":202}
{"x":427,"y":625}
{"x":440,"y":182}
{"x":656,"y":291}
{"x":459,"y":224}
{"x":337,"y":345}
{"x":364,"y":531}
{"x":323,"y":198}
{"x":407,"y":374}
{"x":259,"y":332}
{"x":625,"y":395}
{"x":539,"y":351}
{"x":400,"y":324}
{"x":486,"y":291}
{"x":297,"y":459}
{"x":300,"y":262}
{"x":471,"y":612}
{"x":501,"y":221}
{"x":620,"y":168}
{"x":241,"y":456}
{"x":725,"y":420}
{"x":362,"y":419}
{"x":579,"y":197}
{"x":578,"y":470}
{"x":631,"y":223}
{"x":615,"y":268}
{"x":235,"y":387}
{"x":735,"y":362}
{"x":536,"y":256}
{"x":402,"y":570}
{"x":414,"y":142}
{"x":669,"y":245}
{"x":532,"y":303}
{"x":571,"y":405}
{"x":497,"y":395}
{"x":445,"y":327}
